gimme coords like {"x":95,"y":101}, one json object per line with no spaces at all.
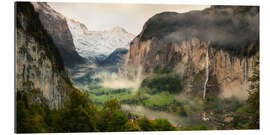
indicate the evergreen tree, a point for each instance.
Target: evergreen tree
{"x":111,"y":118}
{"x":163,"y":125}
{"x":132,"y":126}
{"x":145,"y":124}
{"x":78,"y":115}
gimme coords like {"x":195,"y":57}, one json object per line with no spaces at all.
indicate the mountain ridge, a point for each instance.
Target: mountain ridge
{"x":96,"y":45}
{"x":56,"y":25}
{"x":116,"y":58}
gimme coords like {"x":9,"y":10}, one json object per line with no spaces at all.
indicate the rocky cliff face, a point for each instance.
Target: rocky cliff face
{"x":57,"y":27}
{"x":39,"y":66}
{"x":190,"y":49}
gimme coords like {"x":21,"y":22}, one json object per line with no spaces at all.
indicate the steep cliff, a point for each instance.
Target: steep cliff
{"x":57,"y":27}
{"x":213,"y":50}
{"x":40,"y":70}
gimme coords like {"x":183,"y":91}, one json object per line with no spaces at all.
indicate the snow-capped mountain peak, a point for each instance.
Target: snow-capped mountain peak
{"x":94,"y":44}
{"x":118,"y":29}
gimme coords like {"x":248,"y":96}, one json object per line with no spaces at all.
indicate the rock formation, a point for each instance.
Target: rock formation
{"x":181,"y":41}
{"x":39,"y":67}
{"x":57,"y":27}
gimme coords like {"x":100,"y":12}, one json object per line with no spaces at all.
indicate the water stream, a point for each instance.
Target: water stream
{"x":207,"y":74}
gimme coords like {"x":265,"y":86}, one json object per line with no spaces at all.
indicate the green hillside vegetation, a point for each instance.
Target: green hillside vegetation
{"x":162,"y":82}
{"x":154,"y":94}
{"x":100,"y":95}
{"x":80,"y":115}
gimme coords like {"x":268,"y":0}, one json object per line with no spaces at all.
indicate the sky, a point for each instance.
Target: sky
{"x":131,"y":17}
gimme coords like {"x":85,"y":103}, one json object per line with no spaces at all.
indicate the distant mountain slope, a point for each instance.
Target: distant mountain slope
{"x":56,"y":25}
{"x":117,"y":57}
{"x":213,"y":49}
{"x":96,"y":45}
{"x":40,"y":70}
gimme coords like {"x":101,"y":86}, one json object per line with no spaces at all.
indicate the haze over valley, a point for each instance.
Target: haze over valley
{"x":143,"y":67}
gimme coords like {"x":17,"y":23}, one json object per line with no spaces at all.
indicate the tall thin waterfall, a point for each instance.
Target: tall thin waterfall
{"x":207,"y":74}
{"x":246,"y":72}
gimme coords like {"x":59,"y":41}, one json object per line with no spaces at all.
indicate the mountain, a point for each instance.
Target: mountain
{"x":211,"y":50}
{"x":57,"y":27}
{"x":117,"y":57}
{"x":96,"y":45}
{"x":40,"y":69}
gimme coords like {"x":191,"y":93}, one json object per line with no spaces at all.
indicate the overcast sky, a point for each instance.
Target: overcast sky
{"x":106,"y":16}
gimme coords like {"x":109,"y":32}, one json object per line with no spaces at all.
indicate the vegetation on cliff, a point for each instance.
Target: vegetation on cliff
{"x":254,"y":97}
{"x":36,"y":29}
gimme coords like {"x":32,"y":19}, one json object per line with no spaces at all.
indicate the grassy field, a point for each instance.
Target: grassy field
{"x":101,"y":95}
{"x":159,"y":99}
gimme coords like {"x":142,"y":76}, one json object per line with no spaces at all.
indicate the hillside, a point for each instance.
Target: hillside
{"x":117,"y":57}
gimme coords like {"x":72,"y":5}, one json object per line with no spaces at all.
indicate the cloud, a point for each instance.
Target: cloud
{"x":129,"y":78}
{"x":224,"y":26}
{"x":239,"y":92}
{"x":98,"y":16}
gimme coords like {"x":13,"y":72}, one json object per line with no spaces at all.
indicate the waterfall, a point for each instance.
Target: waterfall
{"x":207,"y":74}
{"x":246,"y":72}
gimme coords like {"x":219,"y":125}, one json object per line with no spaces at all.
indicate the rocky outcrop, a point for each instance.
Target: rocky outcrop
{"x":180,"y":42}
{"x":40,"y":70}
{"x":57,"y":27}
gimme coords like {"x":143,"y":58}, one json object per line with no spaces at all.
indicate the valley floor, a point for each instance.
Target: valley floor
{"x":184,"y":112}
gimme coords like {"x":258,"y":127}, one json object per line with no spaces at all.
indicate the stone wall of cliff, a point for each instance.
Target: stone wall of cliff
{"x":228,"y":74}
{"x":39,"y":67}
{"x":57,"y":27}
{"x":175,"y":46}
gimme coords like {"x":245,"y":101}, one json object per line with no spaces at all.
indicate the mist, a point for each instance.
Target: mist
{"x":150,"y":114}
{"x":225,"y":26}
{"x":179,"y":68}
{"x":124,"y":78}
{"x":239,"y":92}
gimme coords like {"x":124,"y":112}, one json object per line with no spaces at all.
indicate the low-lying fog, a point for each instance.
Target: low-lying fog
{"x":150,"y":114}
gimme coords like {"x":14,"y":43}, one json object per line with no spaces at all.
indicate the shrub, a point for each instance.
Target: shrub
{"x":169,"y":83}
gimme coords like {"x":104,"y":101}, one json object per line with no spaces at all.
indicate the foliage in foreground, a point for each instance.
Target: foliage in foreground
{"x":80,"y":115}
